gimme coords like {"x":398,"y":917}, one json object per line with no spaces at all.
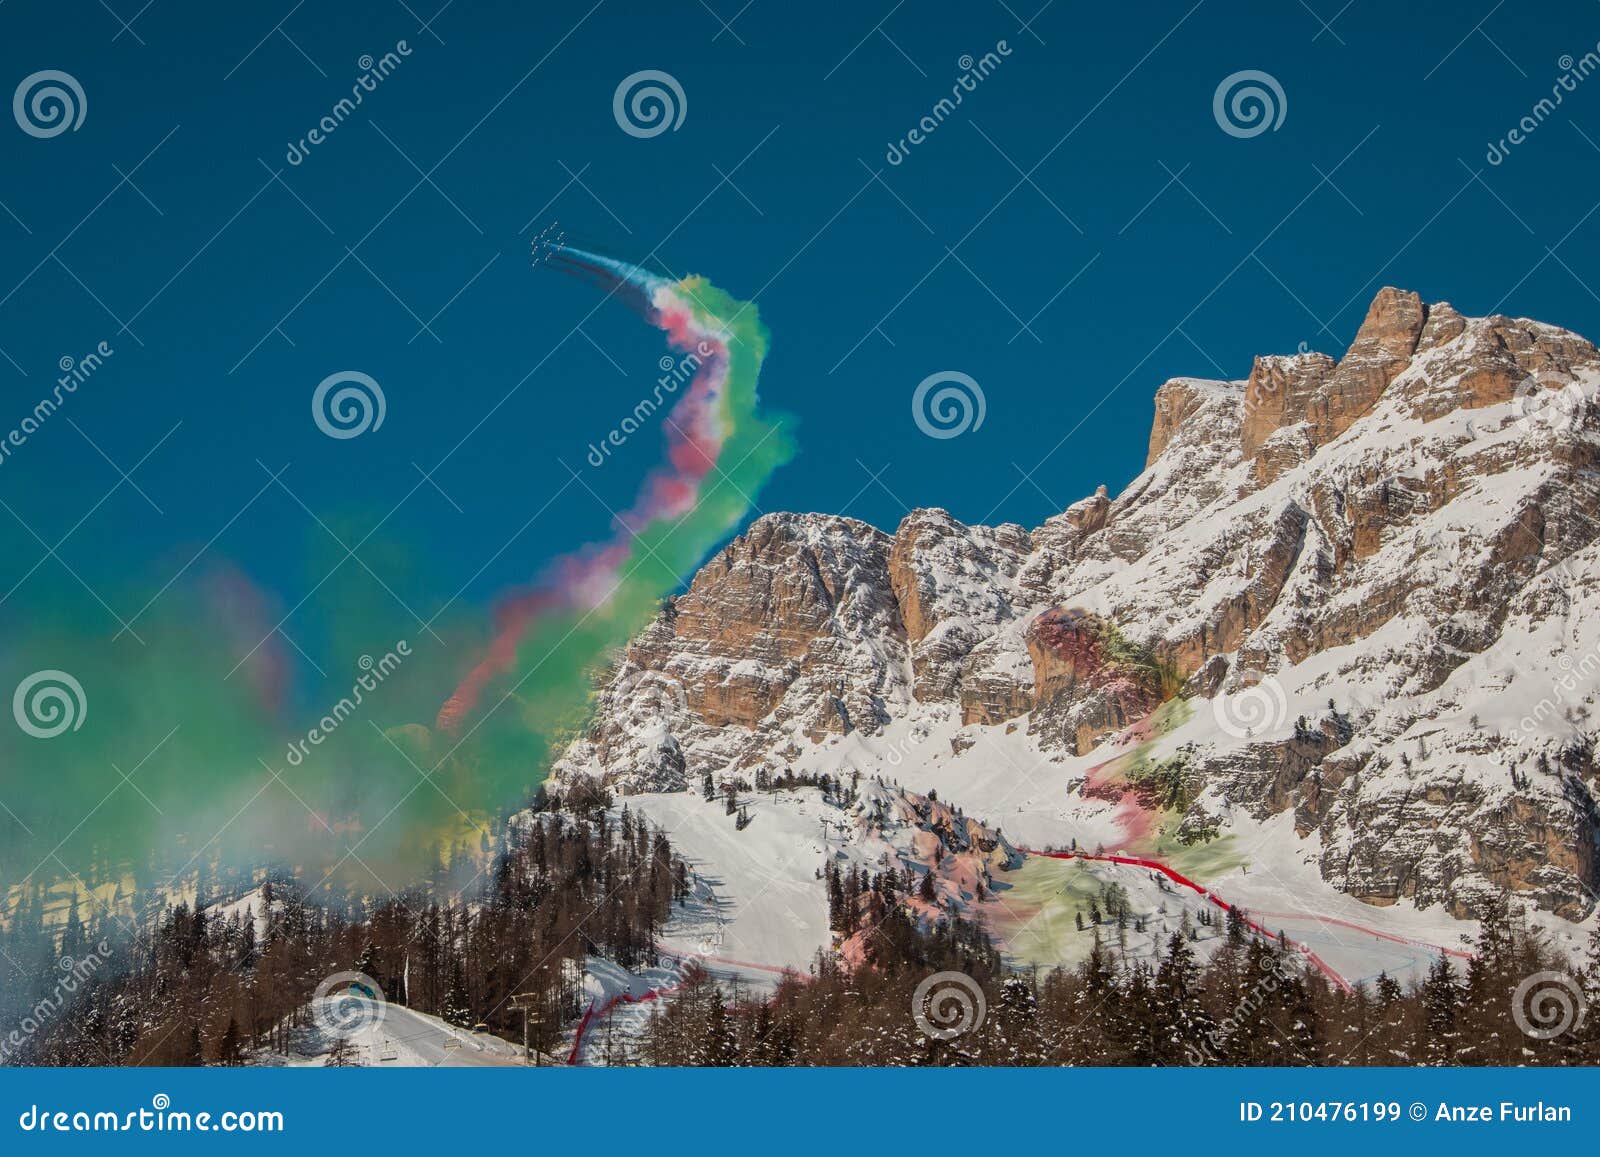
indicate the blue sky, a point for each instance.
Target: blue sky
{"x":1078,"y":230}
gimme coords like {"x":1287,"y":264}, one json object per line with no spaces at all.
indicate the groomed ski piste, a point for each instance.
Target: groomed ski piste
{"x":759,"y":908}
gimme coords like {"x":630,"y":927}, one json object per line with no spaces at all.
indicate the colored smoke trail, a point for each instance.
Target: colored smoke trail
{"x":220,"y":743}
{"x":719,"y":451}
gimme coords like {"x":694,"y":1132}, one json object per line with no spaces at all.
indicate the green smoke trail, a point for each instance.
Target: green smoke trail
{"x":543,"y":700}
{"x":187,"y":760}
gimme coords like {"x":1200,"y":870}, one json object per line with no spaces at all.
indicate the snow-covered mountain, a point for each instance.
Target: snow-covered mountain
{"x":1343,"y":630}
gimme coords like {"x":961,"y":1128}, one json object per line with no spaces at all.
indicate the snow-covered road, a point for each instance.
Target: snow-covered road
{"x":404,"y":1038}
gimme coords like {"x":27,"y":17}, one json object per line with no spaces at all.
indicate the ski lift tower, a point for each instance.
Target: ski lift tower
{"x":527,"y":1003}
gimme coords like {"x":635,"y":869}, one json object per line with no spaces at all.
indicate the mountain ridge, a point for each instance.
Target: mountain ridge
{"x":1328,"y":576}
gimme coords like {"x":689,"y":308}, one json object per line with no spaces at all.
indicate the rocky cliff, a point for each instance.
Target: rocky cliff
{"x":1369,"y":583}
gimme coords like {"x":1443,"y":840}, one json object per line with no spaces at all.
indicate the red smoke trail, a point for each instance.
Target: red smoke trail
{"x":1206,"y":893}
{"x":569,"y":580}
{"x":695,"y":436}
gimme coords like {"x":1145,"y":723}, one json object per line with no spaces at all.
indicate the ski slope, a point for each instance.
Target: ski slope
{"x":404,"y":1038}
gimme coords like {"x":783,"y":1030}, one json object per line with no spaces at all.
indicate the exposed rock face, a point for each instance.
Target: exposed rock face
{"x":786,"y":598}
{"x":996,"y":682}
{"x":1177,"y":402}
{"x":1382,"y":348}
{"x":1278,"y":393}
{"x":951,"y":582}
{"x":1401,"y":546}
{"x":958,"y":834}
{"x":1088,"y":681}
{"x":1294,"y":405}
{"x":793,"y":630}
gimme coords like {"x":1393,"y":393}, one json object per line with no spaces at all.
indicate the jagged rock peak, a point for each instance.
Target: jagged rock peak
{"x":1178,"y":402}
{"x":1296,"y":403}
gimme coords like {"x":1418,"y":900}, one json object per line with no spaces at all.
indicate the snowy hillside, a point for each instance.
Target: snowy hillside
{"x":1332,"y":654}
